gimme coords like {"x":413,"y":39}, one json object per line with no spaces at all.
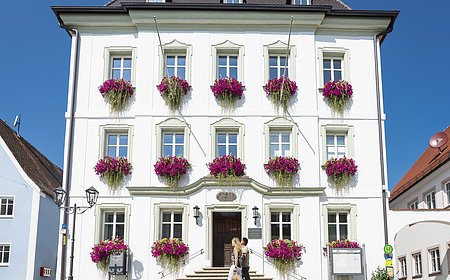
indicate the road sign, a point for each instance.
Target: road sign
{"x":389,"y":262}
{"x":388,"y":249}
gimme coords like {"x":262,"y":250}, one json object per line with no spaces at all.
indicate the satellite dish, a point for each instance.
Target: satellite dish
{"x":438,"y":140}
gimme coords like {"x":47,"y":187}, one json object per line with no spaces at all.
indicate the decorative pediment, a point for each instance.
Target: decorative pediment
{"x":227,"y":45}
{"x":175,"y":44}
{"x":172,"y":122}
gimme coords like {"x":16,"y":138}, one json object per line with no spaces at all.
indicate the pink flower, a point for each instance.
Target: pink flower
{"x":226,"y":166}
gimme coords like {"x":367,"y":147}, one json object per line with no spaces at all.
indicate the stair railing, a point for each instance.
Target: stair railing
{"x":292,"y":275}
{"x":167,"y":272}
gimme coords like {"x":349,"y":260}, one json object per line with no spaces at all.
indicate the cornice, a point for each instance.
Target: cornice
{"x":211,"y":182}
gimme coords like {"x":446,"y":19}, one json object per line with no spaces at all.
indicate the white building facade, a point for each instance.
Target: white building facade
{"x":253,"y":39}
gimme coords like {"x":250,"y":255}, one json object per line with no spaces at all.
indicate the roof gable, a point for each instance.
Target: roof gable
{"x":46,"y":175}
{"x":430,"y":160}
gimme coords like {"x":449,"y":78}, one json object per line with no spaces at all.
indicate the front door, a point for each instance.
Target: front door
{"x":226,"y":225}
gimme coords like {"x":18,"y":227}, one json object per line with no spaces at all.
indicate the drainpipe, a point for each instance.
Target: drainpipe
{"x":68,"y":150}
{"x":377,"y":40}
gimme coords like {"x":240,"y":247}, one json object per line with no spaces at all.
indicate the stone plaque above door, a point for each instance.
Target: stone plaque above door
{"x":226,"y":196}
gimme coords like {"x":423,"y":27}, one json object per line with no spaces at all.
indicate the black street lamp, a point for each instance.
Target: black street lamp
{"x":196,"y":213}
{"x":255,"y":213}
{"x":60,"y":196}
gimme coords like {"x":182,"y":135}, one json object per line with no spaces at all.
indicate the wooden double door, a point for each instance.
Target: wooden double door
{"x":226,"y":225}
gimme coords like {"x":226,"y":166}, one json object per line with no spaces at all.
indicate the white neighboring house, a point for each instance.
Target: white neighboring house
{"x":419,"y":219}
{"x":248,"y":41}
{"x":28,"y":216}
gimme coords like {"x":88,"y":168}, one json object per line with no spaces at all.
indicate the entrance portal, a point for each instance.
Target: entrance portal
{"x":226,"y":225}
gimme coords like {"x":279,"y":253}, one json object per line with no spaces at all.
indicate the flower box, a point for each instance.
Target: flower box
{"x":170,"y":252}
{"x":172,"y":90}
{"x":337,"y":94}
{"x":280,"y":91}
{"x":226,"y":167}
{"x":227,"y":91}
{"x":116,"y":92}
{"x":102,"y":252}
{"x":172,"y":168}
{"x":284,"y":253}
{"x":282,"y":169}
{"x":340,"y":171}
{"x":113,"y":170}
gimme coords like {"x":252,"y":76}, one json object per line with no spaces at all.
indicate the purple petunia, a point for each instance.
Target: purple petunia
{"x":227,"y":90}
{"x":226,"y":166}
{"x":171,"y":167}
{"x":283,"y":169}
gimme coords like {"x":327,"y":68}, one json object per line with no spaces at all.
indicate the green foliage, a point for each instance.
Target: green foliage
{"x":380,"y":274}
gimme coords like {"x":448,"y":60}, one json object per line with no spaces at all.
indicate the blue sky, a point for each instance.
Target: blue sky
{"x":415,"y":63}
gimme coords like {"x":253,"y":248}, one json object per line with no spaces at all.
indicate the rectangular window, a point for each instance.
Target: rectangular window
{"x":435,"y":260}
{"x":280,"y":225}
{"x":332,"y":69}
{"x":117,"y":144}
{"x":227,"y":144}
{"x":447,"y":191}
{"x":430,"y":200}
{"x":172,"y":224}
{"x":280,"y":144}
{"x":337,"y":226}
{"x":299,"y":2}
{"x":336,"y":145}
{"x":232,"y":1}
{"x":6,"y":206}
{"x":413,"y":205}
{"x":175,"y":65}
{"x":227,"y":66}
{"x":402,"y":267}
{"x":113,"y":224}
{"x":5,"y":252}
{"x":121,"y":67}
{"x":173,"y":144}
{"x":417,"y":264}
{"x":277,"y":64}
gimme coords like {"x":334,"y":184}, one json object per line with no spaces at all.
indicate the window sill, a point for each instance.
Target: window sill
{"x":434,"y":273}
{"x":321,"y":89}
{"x":6,"y":217}
{"x":417,"y":276}
{"x":402,"y":278}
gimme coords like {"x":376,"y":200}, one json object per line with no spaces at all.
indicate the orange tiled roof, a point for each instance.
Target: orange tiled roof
{"x":429,"y":161}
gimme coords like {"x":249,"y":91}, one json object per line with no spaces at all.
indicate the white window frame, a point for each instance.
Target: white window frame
{"x":347,"y":130}
{"x":432,"y":264}
{"x":227,"y":65}
{"x":117,"y":145}
{"x":172,"y":222}
{"x":174,"y":47}
{"x":176,"y":206}
{"x":413,"y":204}
{"x":227,"y":48}
{"x":301,"y":2}
{"x":101,"y":208}
{"x":2,"y":252}
{"x":280,"y":222}
{"x":112,"y":52}
{"x":430,"y":194}
{"x":351,"y":218}
{"x":416,"y":264}
{"x":231,"y":2}
{"x":281,"y":124}
{"x":279,"y":133}
{"x":227,"y":143}
{"x":447,"y":192}
{"x":173,"y":145}
{"x":339,"y":223}
{"x":402,"y":269}
{"x":172,"y":125}
{"x":227,"y":125}
{"x":337,"y":53}
{"x":105,"y":130}
{"x":122,"y":67}
{"x":335,"y":144}
{"x":278,"y":48}
{"x":114,"y":223}
{"x":282,"y":207}
{"x":7,"y":197}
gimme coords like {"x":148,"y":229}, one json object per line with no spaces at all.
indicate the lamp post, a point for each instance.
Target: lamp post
{"x":60,"y":196}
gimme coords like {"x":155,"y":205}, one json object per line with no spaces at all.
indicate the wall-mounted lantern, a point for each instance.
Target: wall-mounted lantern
{"x":196,"y":213}
{"x":255,"y":213}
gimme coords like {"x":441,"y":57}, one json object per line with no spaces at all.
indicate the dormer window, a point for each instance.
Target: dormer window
{"x":300,"y":2}
{"x":233,"y":1}
{"x":156,"y":1}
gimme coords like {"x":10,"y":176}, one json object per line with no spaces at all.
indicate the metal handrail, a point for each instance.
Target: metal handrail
{"x":191,"y":256}
{"x":294,"y":275}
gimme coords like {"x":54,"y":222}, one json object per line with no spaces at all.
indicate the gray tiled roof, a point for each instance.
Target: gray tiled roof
{"x":46,"y":175}
{"x":335,"y":4}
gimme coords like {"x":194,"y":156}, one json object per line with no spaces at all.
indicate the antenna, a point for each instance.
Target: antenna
{"x":17,"y":123}
{"x":438,"y":140}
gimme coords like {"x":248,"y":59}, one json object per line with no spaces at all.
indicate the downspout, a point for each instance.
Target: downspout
{"x":384,"y":190}
{"x":68,"y":151}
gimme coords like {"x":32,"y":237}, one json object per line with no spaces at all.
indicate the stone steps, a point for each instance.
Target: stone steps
{"x":218,"y":273}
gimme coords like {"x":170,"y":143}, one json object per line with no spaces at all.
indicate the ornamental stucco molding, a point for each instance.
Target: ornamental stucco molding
{"x":211,"y":182}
